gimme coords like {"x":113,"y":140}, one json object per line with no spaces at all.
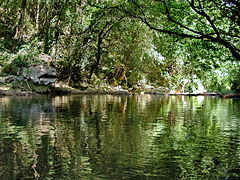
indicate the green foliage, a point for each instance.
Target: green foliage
{"x":25,"y":54}
{"x":175,"y":44}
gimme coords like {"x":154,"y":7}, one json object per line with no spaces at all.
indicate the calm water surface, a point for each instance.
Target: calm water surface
{"x":119,"y":137}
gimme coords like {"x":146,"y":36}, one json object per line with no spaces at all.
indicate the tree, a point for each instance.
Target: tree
{"x":164,"y":41}
{"x":211,"y":21}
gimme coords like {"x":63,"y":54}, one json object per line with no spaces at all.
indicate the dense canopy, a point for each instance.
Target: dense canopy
{"x":177,"y":44}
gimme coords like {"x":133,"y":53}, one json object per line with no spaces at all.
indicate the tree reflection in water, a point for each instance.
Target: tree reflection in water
{"x":117,"y":137}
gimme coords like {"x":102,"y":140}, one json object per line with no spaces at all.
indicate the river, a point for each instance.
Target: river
{"x":119,"y":137}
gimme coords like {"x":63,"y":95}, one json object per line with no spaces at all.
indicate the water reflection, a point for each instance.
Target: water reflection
{"x":119,"y":137}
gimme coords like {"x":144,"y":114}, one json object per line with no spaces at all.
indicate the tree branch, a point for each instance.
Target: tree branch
{"x":176,"y":22}
{"x":214,"y":36}
{"x":202,"y":13}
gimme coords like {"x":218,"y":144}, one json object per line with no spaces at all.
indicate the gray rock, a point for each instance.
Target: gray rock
{"x":47,"y":81}
{"x":41,"y":74}
{"x":10,"y":78}
{"x":3,"y":79}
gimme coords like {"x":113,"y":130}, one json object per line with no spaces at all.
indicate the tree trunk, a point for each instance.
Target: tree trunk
{"x":37,"y":15}
{"x":98,"y":57}
{"x":20,"y":22}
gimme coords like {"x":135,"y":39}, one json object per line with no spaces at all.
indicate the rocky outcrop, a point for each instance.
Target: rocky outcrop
{"x":40,"y":74}
{"x":10,"y":78}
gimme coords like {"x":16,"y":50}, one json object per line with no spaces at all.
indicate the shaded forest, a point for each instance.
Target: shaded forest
{"x":178,"y":45}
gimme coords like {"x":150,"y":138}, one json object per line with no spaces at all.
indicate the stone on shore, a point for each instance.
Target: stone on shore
{"x":40,"y":74}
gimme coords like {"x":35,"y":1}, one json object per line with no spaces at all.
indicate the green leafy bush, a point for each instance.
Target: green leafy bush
{"x":11,"y":62}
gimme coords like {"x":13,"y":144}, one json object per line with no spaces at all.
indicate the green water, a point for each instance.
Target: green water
{"x":119,"y":137}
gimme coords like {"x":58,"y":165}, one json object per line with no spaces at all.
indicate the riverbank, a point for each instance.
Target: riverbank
{"x":57,"y":89}
{"x":6,"y":90}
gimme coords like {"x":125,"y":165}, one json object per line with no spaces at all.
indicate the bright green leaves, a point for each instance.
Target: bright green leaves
{"x":164,"y":41}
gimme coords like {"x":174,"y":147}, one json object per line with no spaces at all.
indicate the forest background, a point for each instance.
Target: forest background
{"x":179,"y":45}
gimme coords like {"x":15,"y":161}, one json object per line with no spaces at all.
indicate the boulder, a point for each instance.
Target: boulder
{"x":3,"y":79}
{"x":40,"y":74}
{"x":9,"y":79}
{"x":158,"y":90}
